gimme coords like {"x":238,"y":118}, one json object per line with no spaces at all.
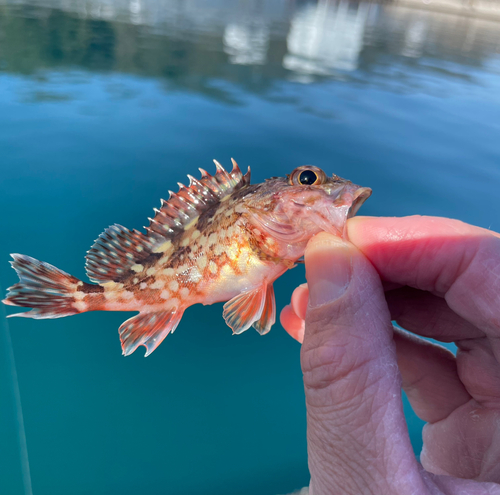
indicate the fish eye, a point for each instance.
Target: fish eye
{"x":307,"y":175}
{"x":308,"y":178}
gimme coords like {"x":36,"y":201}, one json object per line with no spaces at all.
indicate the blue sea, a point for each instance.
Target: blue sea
{"x":105,"y":105}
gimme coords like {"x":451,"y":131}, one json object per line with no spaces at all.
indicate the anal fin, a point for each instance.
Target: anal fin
{"x":268,"y":317}
{"x":246,"y":308}
{"x":148,"y":329}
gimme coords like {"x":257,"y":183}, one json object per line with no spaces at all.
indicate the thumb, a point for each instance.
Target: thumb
{"x":357,"y":436}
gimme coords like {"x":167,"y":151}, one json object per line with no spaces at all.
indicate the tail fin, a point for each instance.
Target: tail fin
{"x":51,"y":292}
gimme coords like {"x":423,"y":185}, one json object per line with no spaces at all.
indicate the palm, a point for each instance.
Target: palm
{"x":471,"y":454}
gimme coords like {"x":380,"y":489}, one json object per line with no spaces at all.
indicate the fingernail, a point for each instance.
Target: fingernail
{"x":328,"y":269}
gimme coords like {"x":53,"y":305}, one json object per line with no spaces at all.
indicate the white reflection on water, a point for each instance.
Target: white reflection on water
{"x":246,"y":44}
{"x":326,"y":36}
{"x":415,"y":39}
{"x":135,"y":8}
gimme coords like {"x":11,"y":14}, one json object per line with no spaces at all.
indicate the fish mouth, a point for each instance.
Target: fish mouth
{"x":358,"y":198}
{"x":333,"y":217}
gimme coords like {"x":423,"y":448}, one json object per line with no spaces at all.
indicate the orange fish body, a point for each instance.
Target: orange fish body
{"x":220,"y":239}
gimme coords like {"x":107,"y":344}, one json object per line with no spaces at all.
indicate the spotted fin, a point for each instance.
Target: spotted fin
{"x":115,"y":252}
{"x":245,"y":309}
{"x":43,"y":287}
{"x":190,"y":202}
{"x":268,"y":317}
{"x":148,"y":329}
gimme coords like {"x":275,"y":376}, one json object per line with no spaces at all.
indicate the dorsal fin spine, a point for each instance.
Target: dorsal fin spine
{"x":184,"y":215}
{"x":192,"y":198}
{"x":200,"y":188}
{"x":221,"y":171}
{"x":235,"y":173}
{"x":190,"y":201}
{"x":219,"y":167}
{"x":176,"y":202}
{"x":167,"y":221}
{"x":184,"y":204}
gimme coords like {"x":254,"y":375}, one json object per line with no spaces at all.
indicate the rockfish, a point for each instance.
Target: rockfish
{"x":219,"y":239}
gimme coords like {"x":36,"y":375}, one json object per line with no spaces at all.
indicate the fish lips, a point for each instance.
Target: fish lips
{"x":358,"y":198}
{"x":333,"y":217}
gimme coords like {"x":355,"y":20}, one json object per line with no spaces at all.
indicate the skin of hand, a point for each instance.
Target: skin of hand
{"x":436,"y":278}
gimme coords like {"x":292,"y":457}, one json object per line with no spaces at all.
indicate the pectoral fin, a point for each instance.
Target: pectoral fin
{"x":243,"y":310}
{"x":268,"y":317}
{"x":148,"y":329}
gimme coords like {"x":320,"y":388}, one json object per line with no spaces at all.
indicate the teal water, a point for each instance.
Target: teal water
{"x":104,"y":106}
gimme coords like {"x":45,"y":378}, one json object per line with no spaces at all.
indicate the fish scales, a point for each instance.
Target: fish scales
{"x":200,"y":266}
{"x":219,"y":239}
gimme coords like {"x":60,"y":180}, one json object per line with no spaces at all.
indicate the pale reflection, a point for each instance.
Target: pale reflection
{"x":415,"y":39}
{"x":135,"y":8}
{"x":326,"y":37}
{"x":246,"y":44}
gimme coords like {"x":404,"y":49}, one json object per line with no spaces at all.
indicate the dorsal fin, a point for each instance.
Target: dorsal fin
{"x":119,"y":250}
{"x":115,"y":252}
{"x":183,"y":207}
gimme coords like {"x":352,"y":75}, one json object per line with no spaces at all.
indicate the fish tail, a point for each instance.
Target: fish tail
{"x":51,"y":292}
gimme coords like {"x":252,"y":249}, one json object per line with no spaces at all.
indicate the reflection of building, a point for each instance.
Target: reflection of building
{"x":415,"y":39}
{"x":246,"y":44}
{"x":325,"y":37}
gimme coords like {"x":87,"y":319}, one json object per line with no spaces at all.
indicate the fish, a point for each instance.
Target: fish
{"x":220,"y":239}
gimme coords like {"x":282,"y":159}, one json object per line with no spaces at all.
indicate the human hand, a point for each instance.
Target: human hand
{"x":442,"y":280}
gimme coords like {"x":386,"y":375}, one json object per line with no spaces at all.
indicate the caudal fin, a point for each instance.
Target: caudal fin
{"x":51,"y":292}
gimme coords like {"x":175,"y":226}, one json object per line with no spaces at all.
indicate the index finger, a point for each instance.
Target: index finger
{"x":446,"y":257}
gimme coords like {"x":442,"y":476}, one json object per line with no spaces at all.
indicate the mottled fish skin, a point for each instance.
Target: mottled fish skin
{"x":220,"y":239}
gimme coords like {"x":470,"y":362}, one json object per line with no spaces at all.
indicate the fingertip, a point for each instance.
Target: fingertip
{"x":294,"y":325}
{"x":359,"y":228}
{"x":328,"y":262}
{"x":370,"y":231}
{"x":300,"y":299}
{"x":356,"y":223}
{"x":321,"y":241}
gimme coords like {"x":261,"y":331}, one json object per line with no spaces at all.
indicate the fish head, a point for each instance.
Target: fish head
{"x":294,"y":208}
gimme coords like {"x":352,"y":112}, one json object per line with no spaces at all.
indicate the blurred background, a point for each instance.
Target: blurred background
{"x":105,"y":105}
